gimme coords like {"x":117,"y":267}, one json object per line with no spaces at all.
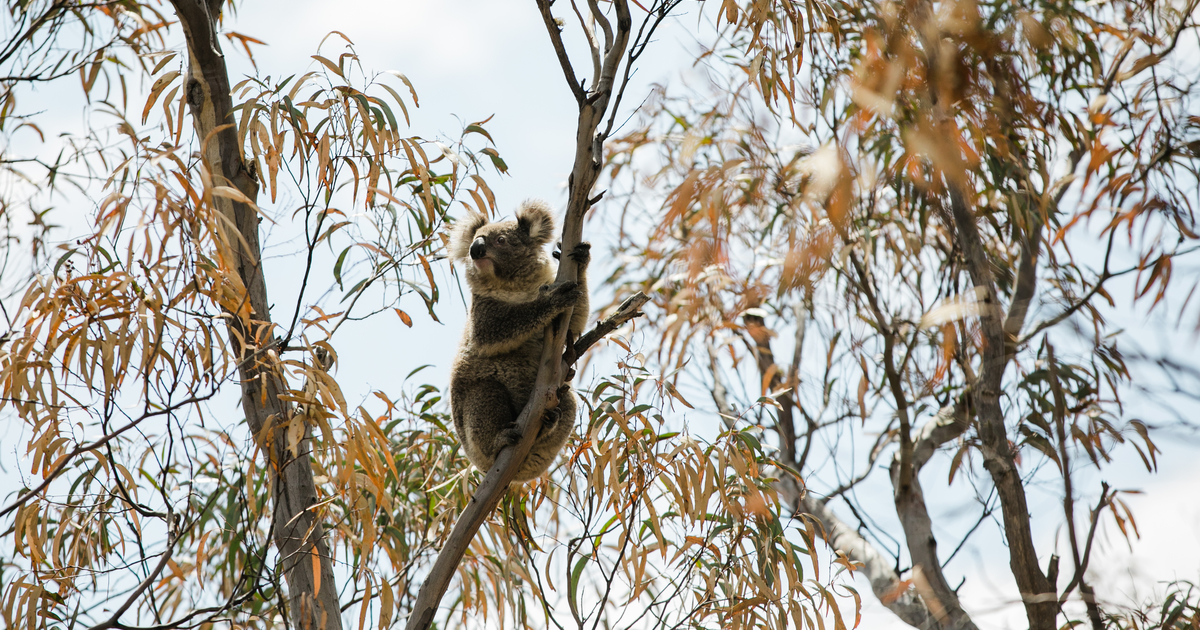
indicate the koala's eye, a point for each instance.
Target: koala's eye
{"x":500,"y":240}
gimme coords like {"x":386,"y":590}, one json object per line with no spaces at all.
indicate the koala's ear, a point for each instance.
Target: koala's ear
{"x":464,"y":233}
{"x":535,"y":219}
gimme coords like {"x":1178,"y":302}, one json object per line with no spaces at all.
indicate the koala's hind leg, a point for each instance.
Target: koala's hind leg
{"x":551,"y":416}
{"x":557,"y":425}
{"x":486,"y":420}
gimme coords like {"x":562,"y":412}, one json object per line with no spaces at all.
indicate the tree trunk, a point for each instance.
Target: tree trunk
{"x":296,"y":528}
{"x":999,"y":456}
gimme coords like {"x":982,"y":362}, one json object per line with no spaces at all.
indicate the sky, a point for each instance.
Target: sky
{"x":471,"y":60}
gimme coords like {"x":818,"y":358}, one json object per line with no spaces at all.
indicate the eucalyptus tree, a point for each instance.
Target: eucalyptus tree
{"x":931,"y":211}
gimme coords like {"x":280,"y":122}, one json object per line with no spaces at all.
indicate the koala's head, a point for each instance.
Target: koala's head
{"x":506,"y":260}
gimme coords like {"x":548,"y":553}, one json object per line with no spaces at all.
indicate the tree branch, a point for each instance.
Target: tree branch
{"x":1064,"y":464}
{"x":885,"y":582}
{"x":941,"y":600}
{"x":785,"y":422}
{"x":172,"y":536}
{"x":628,"y":310}
{"x":603,"y":22}
{"x":588,"y":158}
{"x":564,"y":60}
{"x":297,"y":530}
{"x":887,"y":586}
{"x":1014,"y":321}
{"x":593,"y":44}
{"x":947,"y":425}
{"x":1036,"y":590}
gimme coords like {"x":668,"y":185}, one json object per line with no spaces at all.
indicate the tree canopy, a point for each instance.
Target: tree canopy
{"x":882,"y":248}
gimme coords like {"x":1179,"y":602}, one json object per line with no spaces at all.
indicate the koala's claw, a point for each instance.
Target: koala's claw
{"x":569,"y":355}
{"x":582,"y":254}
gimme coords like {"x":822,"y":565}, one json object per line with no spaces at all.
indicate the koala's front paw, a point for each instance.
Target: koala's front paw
{"x":582,"y":254}
{"x":551,"y":416}
{"x":563,"y":294}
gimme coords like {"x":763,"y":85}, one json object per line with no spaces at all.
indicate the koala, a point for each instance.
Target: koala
{"x":513,"y":298}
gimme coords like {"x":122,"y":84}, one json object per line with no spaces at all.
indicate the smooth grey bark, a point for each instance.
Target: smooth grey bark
{"x":910,"y":605}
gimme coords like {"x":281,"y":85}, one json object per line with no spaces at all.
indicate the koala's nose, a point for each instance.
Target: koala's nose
{"x":478,"y":248}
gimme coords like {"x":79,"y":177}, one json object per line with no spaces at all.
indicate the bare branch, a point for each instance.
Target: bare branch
{"x":1105,"y":276}
{"x":1036,"y":590}
{"x":1026,"y":284}
{"x":941,"y":600}
{"x":594,"y":5}
{"x":1064,"y":463}
{"x":887,"y":586}
{"x":659,"y":12}
{"x":720,"y":394}
{"x":172,"y":536}
{"x":785,"y":421}
{"x":555,"y":32}
{"x":616,"y":52}
{"x":947,"y":425}
{"x":593,"y":45}
{"x":628,"y":310}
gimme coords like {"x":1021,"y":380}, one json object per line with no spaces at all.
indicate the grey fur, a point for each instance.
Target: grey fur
{"x":513,"y":298}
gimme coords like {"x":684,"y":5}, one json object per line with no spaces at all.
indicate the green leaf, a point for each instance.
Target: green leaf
{"x":496,"y":160}
{"x":399,"y":101}
{"x":337,"y":267}
{"x":573,"y":585}
{"x":473,"y":128}
{"x":387,"y":111}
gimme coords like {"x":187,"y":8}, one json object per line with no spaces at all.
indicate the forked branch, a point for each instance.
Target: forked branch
{"x":588,"y":159}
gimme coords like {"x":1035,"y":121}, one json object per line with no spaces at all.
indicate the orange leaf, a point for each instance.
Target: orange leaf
{"x":316,"y":566}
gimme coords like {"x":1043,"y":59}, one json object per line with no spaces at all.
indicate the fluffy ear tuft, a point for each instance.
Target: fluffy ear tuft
{"x":535,"y":219}
{"x":463,"y":233}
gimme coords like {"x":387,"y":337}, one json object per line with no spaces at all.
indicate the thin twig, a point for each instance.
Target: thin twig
{"x":593,"y":45}
{"x":553,"y":28}
{"x":628,"y":310}
{"x":172,"y":536}
{"x":65,"y":460}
